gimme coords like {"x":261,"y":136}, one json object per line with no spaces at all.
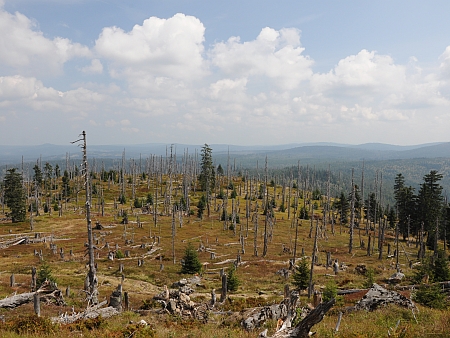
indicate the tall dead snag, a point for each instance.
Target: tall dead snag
{"x":91,"y":279}
{"x":266,"y":210}
{"x":313,"y":261}
{"x":352,"y":216}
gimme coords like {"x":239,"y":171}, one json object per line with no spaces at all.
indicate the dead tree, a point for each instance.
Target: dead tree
{"x":266,"y":210}
{"x":313,"y":261}
{"x":352,"y":216}
{"x":92,"y":280}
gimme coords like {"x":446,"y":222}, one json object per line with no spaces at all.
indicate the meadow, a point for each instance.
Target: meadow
{"x":161,"y":242}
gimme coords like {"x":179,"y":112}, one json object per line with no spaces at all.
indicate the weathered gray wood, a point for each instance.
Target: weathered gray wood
{"x":37,"y":304}
{"x":336,"y":329}
{"x":223,"y":295}
{"x":33,"y":279}
{"x":115,"y":300}
{"x":47,"y":291}
{"x":127,"y":301}
{"x":91,"y":312}
{"x":302,"y":330}
{"x":378,"y":296}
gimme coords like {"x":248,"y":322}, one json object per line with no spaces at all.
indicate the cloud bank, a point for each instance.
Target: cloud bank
{"x":158,"y":82}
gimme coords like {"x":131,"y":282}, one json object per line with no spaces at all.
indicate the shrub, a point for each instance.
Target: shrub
{"x":190,"y":264}
{"x":138,"y":331}
{"x":149,"y":199}
{"x":44,"y":273}
{"x":370,"y":278}
{"x":122,"y":199}
{"x":137,"y":203}
{"x":26,"y":325}
{"x":330,"y":291}
{"x":431,"y":296}
{"x":440,"y":268}
{"x":301,"y":275}
{"x":201,"y":206}
{"x":119,"y":254}
{"x":124,"y":217}
{"x":232,"y":280}
{"x":91,"y":324}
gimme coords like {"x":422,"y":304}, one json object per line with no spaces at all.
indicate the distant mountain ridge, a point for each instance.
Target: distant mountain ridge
{"x":314,"y":151}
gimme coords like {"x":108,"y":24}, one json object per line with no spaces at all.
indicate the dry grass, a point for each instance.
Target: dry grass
{"x":259,"y":281}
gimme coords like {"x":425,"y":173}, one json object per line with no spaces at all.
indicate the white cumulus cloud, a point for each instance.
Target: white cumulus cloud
{"x":158,"y":48}
{"x":276,"y":55}
{"x":95,"y":67}
{"x":26,"y":50}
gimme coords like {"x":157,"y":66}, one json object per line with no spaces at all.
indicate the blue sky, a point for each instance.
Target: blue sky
{"x":233,"y":72}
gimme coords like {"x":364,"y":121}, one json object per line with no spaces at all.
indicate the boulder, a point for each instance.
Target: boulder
{"x":378,"y":296}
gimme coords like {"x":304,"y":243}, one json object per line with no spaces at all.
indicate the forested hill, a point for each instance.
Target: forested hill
{"x":383,"y":159}
{"x":280,"y":154}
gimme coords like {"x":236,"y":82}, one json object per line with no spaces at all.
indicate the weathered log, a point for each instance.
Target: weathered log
{"x":47,"y":292}
{"x":89,"y":313}
{"x":348,"y":291}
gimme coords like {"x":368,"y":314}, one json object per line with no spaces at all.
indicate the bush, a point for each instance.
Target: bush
{"x":431,"y":296}
{"x":370,"y":278}
{"x":122,"y":199}
{"x":232,"y":280}
{"x":440,"y":268}
{"x":124,"y":217}
{"x":26,"y":325}
{"x":138,"y":331}
{"x":119,"y":254}
{"x":330,"y":291}
{"x":201,"y":205}
{"x":91,"y":324}
{"x":190,"y":264}
{"x":44,"y":273}
{"x":149,"y":199}
{"x":137,"y":203}
{"x":301,"y":275}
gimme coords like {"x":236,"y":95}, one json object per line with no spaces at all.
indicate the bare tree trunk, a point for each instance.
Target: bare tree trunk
{"x":266,"y":209}
{"x":92,"y":291}
{"x":313,"y":261}
{"x":352,"y":216}
{"x":173,"y":234}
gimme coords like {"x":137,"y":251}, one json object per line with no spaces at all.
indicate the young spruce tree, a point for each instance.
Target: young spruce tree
{"x":301,"y":275}
{"x":190,"y":263}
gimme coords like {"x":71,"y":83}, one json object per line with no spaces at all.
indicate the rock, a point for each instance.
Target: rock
{"x":261,"y":315}
{"x":186,"y":290}
{"x":172,"y":306}
{"x":378,"y":296}
{"x":396,"y":278}
{"x":361,"y":269}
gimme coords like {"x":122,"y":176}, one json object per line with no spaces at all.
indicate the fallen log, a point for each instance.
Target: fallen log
{"x":48,"y":291}
{"x":349,"y":291}
{"x":90,"y":313}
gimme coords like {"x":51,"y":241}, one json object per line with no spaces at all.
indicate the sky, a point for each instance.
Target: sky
{"x":232,"y":72}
